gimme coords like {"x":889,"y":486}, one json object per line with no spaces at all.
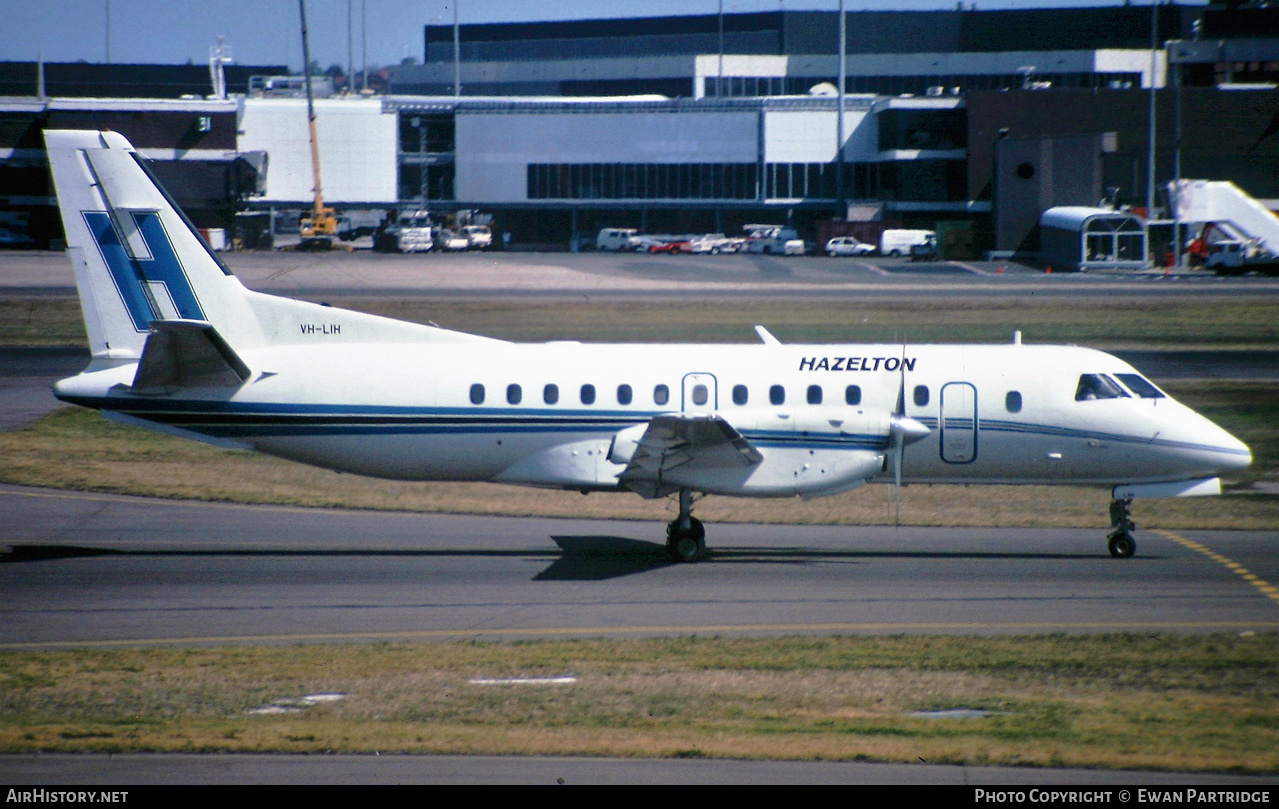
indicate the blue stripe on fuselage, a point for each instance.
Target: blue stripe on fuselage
{"x":258,"y":419}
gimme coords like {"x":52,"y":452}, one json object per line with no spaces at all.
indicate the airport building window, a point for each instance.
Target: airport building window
{"x":917,"y":180}
{"x":740,"y":395}
{"x":427,"y":132}
{"x":735,"y":181}
{"x":588,"y":394}
{"x":800,"y":180}
{"x":853,"y":394}
{"x":814,"y":394}
{"x":642,"y":181}
{"x":924,"y":84}
{"x":911,"y":129}
{"x":424,"y":181}
{"x":777,"y":395}
{"x":624,"y":394}
{"x":661,"y":395}
{"x":514,"y":394}
{"x":1012,"y":402}
{"x":477,"y":394}
{"x":551,"y":394}
{"x":921,"y":395}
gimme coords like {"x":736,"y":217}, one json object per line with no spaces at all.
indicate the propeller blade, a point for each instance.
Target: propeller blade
{"x":899,"y":451}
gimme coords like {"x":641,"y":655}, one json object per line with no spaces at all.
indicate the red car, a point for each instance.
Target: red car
{"x":668,"y":247}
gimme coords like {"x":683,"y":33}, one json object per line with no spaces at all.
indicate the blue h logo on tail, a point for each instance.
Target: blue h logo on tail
{"x":138,"y":278}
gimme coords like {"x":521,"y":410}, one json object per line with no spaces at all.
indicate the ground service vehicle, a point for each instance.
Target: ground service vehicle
{"x":409,"y":233}
{"x":478,"y":237}
{"x":772,"y":239}
{"x":901,"y":242}
{"x":617,"y":239}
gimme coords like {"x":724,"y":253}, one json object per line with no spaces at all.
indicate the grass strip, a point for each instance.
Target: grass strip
{"x":1109,"y":322}
{"x":1174,"y":702}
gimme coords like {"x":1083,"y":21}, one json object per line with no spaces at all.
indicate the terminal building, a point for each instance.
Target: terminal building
{"x":972,"y":122}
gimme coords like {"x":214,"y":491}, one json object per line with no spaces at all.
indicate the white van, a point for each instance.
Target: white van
{"x":617,"y":239}
{"x":901,"y":242}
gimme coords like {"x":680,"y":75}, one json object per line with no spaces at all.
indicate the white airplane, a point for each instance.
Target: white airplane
{"x":180,"y":345}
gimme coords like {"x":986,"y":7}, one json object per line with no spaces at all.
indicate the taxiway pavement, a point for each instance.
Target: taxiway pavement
{"x":103,"y":570}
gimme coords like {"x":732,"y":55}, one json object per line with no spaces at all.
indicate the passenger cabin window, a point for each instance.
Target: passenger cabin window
{"x":1012,"y":401}
{"x":551,"y":394}
{"x":661,"y":394}
{"x":1141,"y":386}
{"x":740,"y":395}
{"x":514,"y":394}
{"x":624,"y":394}
{"x":477,"y":394}
{"x":700,"y":395}
{"x":1098,"y":386}
{"x":921,"y":395}
{"x":588,"y":394}
{"x":814,"y":394}
{"x":777,"y":395}
{"x":853,"y":395}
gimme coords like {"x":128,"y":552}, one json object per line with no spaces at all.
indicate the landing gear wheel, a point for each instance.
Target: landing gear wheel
{"x":1122,"y":545}
{"x":686,"y":543}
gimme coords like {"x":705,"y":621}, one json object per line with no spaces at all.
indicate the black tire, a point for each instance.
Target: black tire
{"x":686,"y":545}
{"x":1122,"y":545}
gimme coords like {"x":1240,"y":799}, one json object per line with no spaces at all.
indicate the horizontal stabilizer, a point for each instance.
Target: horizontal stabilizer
{"x":187,"y":354}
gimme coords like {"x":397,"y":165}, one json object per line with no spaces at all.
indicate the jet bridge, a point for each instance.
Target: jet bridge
{"x":1085,"y":239}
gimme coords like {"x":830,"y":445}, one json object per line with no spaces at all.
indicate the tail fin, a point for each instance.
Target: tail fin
{"x":137,"y":258}
{"x":144,"y":271}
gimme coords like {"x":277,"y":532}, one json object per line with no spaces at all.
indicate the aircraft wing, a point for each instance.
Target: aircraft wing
{"x":673,"y":441}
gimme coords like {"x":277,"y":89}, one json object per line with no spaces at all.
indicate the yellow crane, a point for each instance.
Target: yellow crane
{"x":321,"y":225}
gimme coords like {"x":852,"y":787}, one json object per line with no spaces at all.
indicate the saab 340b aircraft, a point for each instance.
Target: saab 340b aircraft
{"x":181,"y":346}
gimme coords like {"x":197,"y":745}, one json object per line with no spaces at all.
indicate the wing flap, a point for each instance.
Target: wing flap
{"x":676,"y":441}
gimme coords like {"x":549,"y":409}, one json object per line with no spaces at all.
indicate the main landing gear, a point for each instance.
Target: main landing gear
{"x":686,"y":536}
{"x":1121,"y":543}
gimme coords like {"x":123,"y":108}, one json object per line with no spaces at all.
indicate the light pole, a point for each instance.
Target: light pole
{"x":1150,"y":168}
{"x":457,"y":54}
{"x":840,"y":191}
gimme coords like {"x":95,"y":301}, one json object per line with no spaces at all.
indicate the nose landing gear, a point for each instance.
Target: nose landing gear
{"x":1121,"y":543}
{"x":685,"y":535}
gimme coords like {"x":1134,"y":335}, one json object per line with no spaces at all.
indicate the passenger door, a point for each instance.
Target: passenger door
{"x":958,"y":422}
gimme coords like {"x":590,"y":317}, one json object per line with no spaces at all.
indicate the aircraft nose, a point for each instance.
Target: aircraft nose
{"x":1230,"y":453}
{"x":1239,"y":456}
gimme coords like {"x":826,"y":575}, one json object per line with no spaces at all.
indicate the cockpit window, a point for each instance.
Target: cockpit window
{"x":1141,"y":386}
{"x":1098,"y":386}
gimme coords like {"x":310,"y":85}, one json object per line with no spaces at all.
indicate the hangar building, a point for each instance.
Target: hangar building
{"x":704,"y":123}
